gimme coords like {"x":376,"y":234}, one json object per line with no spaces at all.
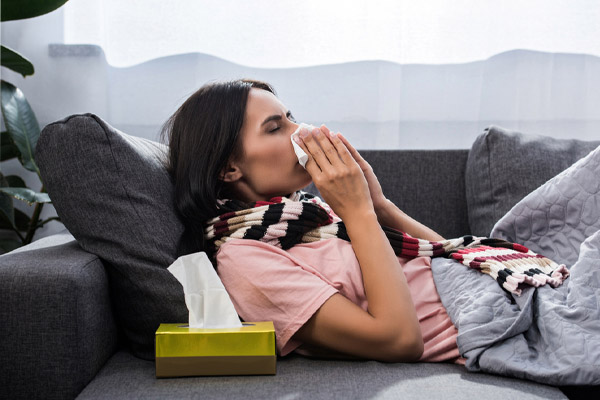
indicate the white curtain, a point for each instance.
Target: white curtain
{"x":285,"y":34}
{"x":388,"y":74}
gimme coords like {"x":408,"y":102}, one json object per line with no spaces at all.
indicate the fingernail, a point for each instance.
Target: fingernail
{"x":303,"y":133}
{"x":332,"y":134}
{"x":317,"y":132}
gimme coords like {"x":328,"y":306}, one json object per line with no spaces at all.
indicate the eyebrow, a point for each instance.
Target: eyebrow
{"x":276,"y":117}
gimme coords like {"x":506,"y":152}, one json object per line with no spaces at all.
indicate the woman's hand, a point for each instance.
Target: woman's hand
{"x":388,"y":213}
{"x":335,"y":173}
{"x":379,"y":200}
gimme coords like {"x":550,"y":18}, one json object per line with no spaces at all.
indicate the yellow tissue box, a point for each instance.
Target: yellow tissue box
{"x":185,"y":351}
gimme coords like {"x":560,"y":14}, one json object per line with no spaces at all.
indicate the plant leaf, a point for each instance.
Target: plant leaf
{"x":16,"y":62}
{"x":6,"y":203}
{"x":4,"y":223}
{"x":21,"y":9}
{"x":8,"y":150}
{"x":27,"y":195}
{"x":7,"y":245}
{"x":21,"y":124}
{"x":15,"y":181}
{"x":22,"y":221}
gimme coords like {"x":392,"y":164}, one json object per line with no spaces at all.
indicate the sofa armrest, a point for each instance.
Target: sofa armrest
{"x":56,"y":324}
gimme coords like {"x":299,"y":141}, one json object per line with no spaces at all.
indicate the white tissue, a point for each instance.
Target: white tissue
{"x":205,"y":297}
{"x":302,"y":156}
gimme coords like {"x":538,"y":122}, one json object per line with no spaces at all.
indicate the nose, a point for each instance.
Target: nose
{"x":296,"y":126}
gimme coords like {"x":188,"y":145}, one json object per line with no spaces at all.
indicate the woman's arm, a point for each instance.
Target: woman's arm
{"x":388,"y":214}
{"x":390,"y":330}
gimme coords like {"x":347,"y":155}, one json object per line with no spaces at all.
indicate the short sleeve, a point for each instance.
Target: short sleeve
{"x":266,"y":283}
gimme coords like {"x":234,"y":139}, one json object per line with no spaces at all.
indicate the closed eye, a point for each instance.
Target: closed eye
{"x":290,"y":116}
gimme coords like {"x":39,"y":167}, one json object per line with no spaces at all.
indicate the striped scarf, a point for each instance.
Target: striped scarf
{"x":303,"y":218}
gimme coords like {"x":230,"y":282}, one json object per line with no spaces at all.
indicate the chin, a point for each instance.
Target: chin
{"x":307,"y":178}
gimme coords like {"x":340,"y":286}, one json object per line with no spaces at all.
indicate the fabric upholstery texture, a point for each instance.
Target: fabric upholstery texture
{"x":440,"y":172}
{"x":53,"y":240}
{"x":560,"y":215}
{"x":116,"y":198}
{"x":56,"y":324}
{"x":504,"y":166}
{"x":297,"y":377}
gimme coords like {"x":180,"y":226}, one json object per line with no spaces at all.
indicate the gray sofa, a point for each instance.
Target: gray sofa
{"x":78,"y":308}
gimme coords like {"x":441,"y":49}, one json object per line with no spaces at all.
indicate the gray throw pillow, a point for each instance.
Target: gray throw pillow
{"x":556,"y":218}
{"x":504,"y":166}
{"x":116,"y":198}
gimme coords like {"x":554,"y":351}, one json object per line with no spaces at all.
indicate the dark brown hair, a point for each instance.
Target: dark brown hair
{"x":203,"y":136}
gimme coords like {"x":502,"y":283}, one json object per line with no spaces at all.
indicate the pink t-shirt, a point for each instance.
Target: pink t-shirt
{"x":287,"y":287}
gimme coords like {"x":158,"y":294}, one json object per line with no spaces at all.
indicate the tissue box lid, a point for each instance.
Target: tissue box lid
{"x":179,"y":340}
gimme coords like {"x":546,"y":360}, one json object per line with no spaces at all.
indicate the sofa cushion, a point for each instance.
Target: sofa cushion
{"x":114,"y":195}
{"x":559,"y":216}
{"x":57,"y":328}
{"x":504,"y":166}
{"x":125,"y":377}
{"x":409,"y":178}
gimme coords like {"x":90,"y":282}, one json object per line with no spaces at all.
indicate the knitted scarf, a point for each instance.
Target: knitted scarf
{"x":303,"y":218}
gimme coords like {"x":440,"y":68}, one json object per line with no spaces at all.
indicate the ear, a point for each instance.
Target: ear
{"x":231,"y":173}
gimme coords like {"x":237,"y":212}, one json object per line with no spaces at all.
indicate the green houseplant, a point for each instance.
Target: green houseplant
{"x":21,"y":135}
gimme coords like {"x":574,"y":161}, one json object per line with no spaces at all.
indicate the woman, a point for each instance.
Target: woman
{"x":231,"y":140}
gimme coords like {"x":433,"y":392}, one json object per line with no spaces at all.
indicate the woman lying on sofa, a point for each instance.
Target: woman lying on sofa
{"x":325,"y":272}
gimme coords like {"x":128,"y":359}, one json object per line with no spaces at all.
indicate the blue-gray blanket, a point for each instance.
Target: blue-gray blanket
{"x":548,"y":335}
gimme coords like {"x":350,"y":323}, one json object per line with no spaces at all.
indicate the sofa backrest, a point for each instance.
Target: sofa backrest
{"x":428,"y":185}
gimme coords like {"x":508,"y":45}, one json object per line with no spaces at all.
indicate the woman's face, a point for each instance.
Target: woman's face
{"x":268,"y":166}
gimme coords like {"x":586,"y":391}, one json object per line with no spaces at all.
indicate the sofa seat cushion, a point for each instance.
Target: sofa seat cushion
{"x":504,"y":166}
{"x":297,"y":377}
{"x":114,"y":195}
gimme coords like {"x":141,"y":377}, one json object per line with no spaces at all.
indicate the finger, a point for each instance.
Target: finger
{"x":323,"y":136}
{"x":331,"y":135}
{"x":313,"y":144}
{"x":311,"y":165}
{"x":327,"y":131}
{"x":355,"y":154}
{"x":341,"y":148}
